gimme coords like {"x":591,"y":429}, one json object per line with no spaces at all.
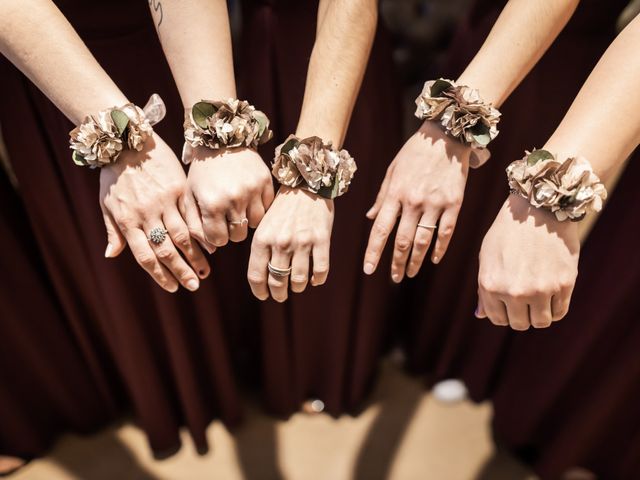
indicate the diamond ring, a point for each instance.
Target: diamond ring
{"x":158,"y":235}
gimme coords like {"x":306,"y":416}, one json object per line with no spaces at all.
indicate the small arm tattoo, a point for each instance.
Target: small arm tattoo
{"x":156,"y":6}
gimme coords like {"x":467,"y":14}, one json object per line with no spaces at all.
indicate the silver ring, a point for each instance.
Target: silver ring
{"x":242,"y":222}
{"x":278,"y":272}
{"x":157,"y":235}
{"x":428,"y":227}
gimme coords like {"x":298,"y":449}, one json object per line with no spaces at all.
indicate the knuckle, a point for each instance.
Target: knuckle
{"x":164,"y":253}
{"x":299,"y":278}
{"x":445,"y":231}
{"x":321,"y":269}
{"x":421,"y":243}
{"x":283,"y":242}
{"x":182,"y":238}
{"x":146,"y":260}
{"x":256,"y":278}
{"x":414,"y":200}
{"x":380,"y":230}
{"x":403,"y":243}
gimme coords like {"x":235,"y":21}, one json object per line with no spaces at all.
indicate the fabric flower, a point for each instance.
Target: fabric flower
{"x":229,"y":124}
{"x":569,"y":189}
{"x":460,"y":110}
{"x":313,"y":165}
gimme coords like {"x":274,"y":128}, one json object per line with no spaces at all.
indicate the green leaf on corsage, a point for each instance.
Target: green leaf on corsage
{"x":78,"y":159}
{"x":480,"y":133}
{"x":120,"y":120}
{"x":439,"y":86}
{"x":538,"y":156}
{"x":201,"y":111}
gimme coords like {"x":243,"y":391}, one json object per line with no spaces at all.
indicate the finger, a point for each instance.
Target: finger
{"x":495,"y":309}
{"x":237,"y":224}
{"x":181,"y":238}
{"x":191,"y":214}
{"x":404,"y":240}
{"x":382,"y":227}
{"x":373,"y":211}
{"x":300,"y":269}
{"x":168,"y":255}
{"x":257,"y":270}
{"x":518,"y":313}
{"x":320,"y":260}
{"x":267,"y":196}
{"x":445,"y":230}
{"x":480,"y":311}
{"x":422,"y":242}
{"x":215,"y":228}
{"x":279,"y":285}
{"x":115,"y":240}
{"x":255,"y":212}
{"x":146,"y":258}
{"x":540,"y":313}
{"x":560,"y":304}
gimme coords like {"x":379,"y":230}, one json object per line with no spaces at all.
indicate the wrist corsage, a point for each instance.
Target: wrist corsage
{"x":99,"y":139}
{"x":228,"y":124}
{"x":568,"y":188}
{"x":313,"y":165}
{"x":460,"y":111}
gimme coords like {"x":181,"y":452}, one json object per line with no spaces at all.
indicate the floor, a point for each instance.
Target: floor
{"x":405,"y":434}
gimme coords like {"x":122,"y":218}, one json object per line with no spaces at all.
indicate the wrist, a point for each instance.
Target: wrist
{"x":523,"y":211}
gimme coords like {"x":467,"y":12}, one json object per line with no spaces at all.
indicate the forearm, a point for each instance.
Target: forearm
{"x":196,"y":40}
{"x":345,"y":33}
{"x":603,"y":123}
{"x":37,"y":38}
{"x":521,"y":35}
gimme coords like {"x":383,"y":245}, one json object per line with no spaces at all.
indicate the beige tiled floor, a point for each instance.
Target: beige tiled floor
{"x":404,"y":435}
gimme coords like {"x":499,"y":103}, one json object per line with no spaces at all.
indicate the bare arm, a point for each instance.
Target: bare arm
{"x":521,"y":35}
{"x":63,"y":68}
{"x":196,"y":40}
{"x":338,"y":62}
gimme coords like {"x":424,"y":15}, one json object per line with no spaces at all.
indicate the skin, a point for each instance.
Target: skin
{"x":296,"y":230}
{"x":67,"y":73}
{"x":227,"y":185}
{"x":528,"y":259}
{"x":425,"y":182}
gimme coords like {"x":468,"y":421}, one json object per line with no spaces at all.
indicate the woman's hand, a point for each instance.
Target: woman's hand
{"x":528,"y":267}
{"x":140,"y":192}
{"x":425,"y":185}
{"x":232,"y":188}
{"x":296,"y":231}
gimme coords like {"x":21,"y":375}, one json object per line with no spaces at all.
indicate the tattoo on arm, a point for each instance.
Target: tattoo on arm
{"x":156,"y":5}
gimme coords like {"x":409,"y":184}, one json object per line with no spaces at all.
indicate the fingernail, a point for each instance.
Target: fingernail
{"x":369,"y":268}
{"x":209,"y":249}
{"x":202,"y":273}
{"x":436,"y":260}
{"x":476,"y":313}
{"x":173,"y":289}
{"x":369,"y":213}
{"x":396,"y":277}
{"x":108,"y":251}
{"x":192,"y":285}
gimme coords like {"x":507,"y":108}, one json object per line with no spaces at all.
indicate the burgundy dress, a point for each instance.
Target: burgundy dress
{"x":178,"y":359}
{"x":566,"y":396}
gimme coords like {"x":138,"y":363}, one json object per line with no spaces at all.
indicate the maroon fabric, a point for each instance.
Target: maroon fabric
{"x":568,"y":395}
{"x":178,"y":359}
{"x":323,"y":343}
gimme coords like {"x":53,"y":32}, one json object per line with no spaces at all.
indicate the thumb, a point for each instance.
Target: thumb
{"x":480,"y":313}
{"x":115,"y":239}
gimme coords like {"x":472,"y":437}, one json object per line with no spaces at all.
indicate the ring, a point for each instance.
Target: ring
{"x":278,"y":272}
{"x":158,"y":235}
{"x":242,"y":222}
{"x":428,"y":227}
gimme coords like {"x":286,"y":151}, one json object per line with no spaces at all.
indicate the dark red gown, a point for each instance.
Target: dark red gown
{"x":179,"y":360}
{"x":569,"y":395}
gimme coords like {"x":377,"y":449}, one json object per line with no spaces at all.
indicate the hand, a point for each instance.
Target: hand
{"x":528,"y":267}
{"x":144,"y":190}
{"x":232,"y":188}
{"x":295,"y":230}
{"x":425,"y":185}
